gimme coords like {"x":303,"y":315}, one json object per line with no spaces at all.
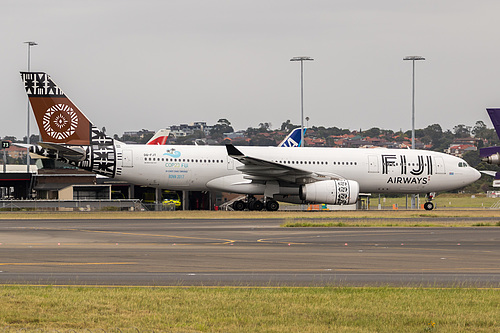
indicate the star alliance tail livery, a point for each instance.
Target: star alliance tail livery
{"x":293,"y":139}
{"x":301,"y":175}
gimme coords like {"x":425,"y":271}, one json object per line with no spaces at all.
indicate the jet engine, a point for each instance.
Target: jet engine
{"x":334,"y":192}
{"x":492,"y":159}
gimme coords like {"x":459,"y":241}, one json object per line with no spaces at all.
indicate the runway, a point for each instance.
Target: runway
{"x":244,"y":252}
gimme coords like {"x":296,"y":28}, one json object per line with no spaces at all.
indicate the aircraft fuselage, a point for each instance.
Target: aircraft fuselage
{"x":376,"y":170}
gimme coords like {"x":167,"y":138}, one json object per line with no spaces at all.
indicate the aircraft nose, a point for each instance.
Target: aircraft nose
{"x":475,"y":174}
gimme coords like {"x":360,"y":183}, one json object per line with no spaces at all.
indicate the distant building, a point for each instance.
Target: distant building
{"x":459,"y":150}
{"x":138,"y":134}
{"x":185,"y":129}
{"x":459,"y":146}
{"x":15,"y":152}
{"x":235,"y":135}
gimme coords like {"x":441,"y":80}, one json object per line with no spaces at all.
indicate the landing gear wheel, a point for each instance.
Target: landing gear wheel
{"x":255,"y":205}
{"x":428,"y":206}
{"x":239,"y":205}
{"x":272,"y":205}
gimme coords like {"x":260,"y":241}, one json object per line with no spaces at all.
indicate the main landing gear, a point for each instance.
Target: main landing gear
{"x":429,"y":205}
{"x":252,"y":203}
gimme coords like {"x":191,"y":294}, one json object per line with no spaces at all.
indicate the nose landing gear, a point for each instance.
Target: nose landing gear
{"x":429,"y":205}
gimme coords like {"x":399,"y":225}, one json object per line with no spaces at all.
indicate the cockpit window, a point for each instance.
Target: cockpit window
{"x":462,"y":165}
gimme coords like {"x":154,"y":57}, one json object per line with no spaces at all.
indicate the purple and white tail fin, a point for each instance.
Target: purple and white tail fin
{"x":491,"y":155}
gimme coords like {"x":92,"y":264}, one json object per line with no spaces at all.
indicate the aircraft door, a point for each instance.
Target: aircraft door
{"x":373,"y":164}
{"x":128,"y":158}
{"x":230,"y":163}
{"x":440,"y":165}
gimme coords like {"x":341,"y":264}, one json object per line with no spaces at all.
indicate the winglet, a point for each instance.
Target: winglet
{"x":233,"y":151}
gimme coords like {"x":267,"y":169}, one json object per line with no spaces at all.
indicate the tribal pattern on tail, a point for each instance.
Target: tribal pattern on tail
{"x":100,"y":156}
{"x":103,"y":153}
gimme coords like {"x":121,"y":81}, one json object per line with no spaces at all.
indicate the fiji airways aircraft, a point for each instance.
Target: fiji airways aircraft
{"x":318,"y":175}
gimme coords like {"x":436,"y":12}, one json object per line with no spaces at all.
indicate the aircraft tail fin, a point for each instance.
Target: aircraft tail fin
{"x":495,"y":119}
{"x":160,"y":137}
{"x":59,"y":120}
{"x":491,"y":155}
{"x":292,"y":139}
{"x":67,"y":134}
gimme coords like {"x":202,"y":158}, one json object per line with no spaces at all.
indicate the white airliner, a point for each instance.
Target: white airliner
{"x":317,"y":175}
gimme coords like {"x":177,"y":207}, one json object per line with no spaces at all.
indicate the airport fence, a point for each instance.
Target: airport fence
{"x":159,"y":206}
{"x":72,"y":205}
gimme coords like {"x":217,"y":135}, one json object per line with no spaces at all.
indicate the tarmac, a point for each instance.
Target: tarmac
{"x":243,"y":252}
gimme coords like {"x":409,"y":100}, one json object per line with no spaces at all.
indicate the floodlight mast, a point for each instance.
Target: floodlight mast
{"x":28,"y":162}
{"x":302,"y":59}
{"x":413,"y":59}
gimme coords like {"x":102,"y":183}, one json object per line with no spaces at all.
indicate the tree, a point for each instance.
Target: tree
{"x":191,"y":139}
{"x":472,"y":158}
{"x":287,"y":126}
{"x":223,"y":126}
{"x":372,"y":132}
{"x":462,"y":131}
{"x":480,"y":131}
{"x":264,"y":127}
{"x":34,"y":138}
{"x":224,"y":121}
{"x":478,"y":128}
{"x":262,"y":141}
{"x":10,"y":138}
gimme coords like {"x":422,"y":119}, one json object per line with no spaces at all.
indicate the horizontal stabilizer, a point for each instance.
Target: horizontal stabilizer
{"x":71,"y":153}
{"x":21,"y":145}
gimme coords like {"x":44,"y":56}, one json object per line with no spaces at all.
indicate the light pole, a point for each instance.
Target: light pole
{"x":28,"y":161}
{"x":413,"y":59}
{"x":301,"y":59}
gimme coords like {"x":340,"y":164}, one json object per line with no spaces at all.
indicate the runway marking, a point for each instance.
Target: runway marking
{"x":225,"y":241}
{"x":271,"y":241}
{"x":64,"y":263}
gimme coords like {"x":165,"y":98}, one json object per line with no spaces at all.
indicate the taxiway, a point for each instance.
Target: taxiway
{"x":243,"y":252}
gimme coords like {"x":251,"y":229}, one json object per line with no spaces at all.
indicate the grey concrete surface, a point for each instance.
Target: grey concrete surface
{"x":243,"y":253}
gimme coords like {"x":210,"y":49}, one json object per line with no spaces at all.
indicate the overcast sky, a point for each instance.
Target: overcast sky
{"x":130,"y":65}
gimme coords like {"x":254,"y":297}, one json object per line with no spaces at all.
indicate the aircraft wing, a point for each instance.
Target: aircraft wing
{"x":258,"y":169}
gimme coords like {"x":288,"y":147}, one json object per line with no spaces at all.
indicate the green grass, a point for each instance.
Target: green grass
{"x":366,"y":224}
{"x":198,"y":309}
{"x":380,"y":222}
{"x":441,"y":201}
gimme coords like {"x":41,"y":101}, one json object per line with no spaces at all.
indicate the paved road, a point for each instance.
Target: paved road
{"x":243,"y":253}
